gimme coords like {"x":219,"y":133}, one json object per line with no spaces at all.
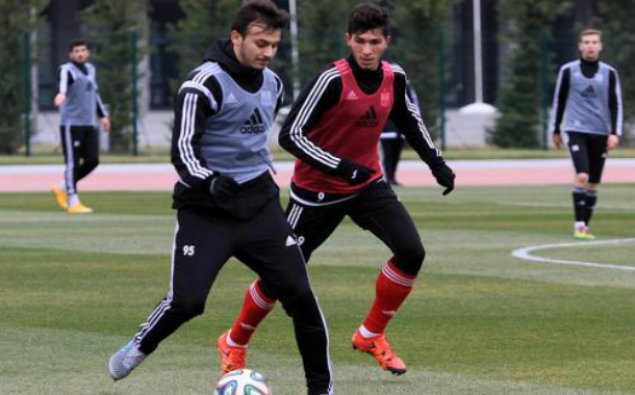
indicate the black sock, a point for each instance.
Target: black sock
{"x":591,"y":199}
{"x":579,"y":204}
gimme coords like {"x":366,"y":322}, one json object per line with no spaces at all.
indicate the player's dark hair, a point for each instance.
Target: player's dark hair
{"x":261,"y":11}
{"x":368,"y":16}
{"x":77,"y":43}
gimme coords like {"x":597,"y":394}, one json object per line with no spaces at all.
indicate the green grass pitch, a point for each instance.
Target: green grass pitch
{"x":74,"y":288}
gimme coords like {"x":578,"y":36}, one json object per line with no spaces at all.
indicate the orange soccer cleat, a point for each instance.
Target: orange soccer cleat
{"x":231,"y":358}
{"x":379,"y":348}
{"x":79,"y":209}
{"x":61,"y":197}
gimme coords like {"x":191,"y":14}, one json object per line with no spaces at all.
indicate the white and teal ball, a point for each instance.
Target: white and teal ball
{"x":243,"y":382}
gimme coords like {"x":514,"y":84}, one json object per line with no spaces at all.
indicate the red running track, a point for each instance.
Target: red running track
{"x":161,"y":177}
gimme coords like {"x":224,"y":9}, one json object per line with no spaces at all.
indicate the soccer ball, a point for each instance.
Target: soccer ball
{"x":243,"y":382}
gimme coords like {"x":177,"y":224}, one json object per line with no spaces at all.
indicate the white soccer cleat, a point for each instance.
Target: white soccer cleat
{"x":125,"y":360}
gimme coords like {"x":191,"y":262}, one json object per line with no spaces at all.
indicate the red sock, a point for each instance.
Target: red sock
{"x":393,"y":286}
{"x":255,"y":308}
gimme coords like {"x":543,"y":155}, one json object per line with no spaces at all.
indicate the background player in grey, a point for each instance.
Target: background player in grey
{"x":587,"y":105}
{"x":392,"y":141}
{"x":227,"y":202}
{"x":80,"y":105}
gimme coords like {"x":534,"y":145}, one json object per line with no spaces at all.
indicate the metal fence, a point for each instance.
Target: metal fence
{"x":157,"y":74}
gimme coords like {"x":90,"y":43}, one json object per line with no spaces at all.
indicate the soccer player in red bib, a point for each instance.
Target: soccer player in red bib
{"x":333,"y":129}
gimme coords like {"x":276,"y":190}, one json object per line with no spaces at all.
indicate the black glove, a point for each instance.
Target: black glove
{"x":444,"y":175}
{"x":353,"y":173}
{"x":222,"y":187}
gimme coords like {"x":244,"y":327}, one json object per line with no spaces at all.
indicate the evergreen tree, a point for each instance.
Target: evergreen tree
{"x":615,"y":19}
{"x":321,"y":38}
{"x":15,"y":21}
{"x":417,"y":26}
{"x":521,"y":95}
{"x":112,"y":23}
{"x":205,"y":21}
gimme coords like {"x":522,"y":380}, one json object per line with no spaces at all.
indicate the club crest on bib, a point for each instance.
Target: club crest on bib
{"x":265,"y":98}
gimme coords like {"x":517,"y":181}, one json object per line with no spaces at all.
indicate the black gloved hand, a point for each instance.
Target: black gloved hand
{"x":353,"y":173}
{"x":444,"y":175}
{"x":222,"y":187}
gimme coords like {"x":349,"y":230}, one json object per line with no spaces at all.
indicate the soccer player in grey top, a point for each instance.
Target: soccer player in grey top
{"x":80,"y":105}
{"x":226,"y":200}
{"x":587,"y":105}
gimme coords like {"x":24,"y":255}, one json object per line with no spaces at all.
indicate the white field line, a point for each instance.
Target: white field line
{"x":525,"y":253}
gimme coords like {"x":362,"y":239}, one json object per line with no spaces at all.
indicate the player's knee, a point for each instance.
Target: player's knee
{"x":410,"y":259}
{"x":267,"y":289}
{"x":188,"y":308}
{"x":582,"y":178}
{"x":90,"y":164}
{"x":291,"y":292}
{"x":302,"y":307}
